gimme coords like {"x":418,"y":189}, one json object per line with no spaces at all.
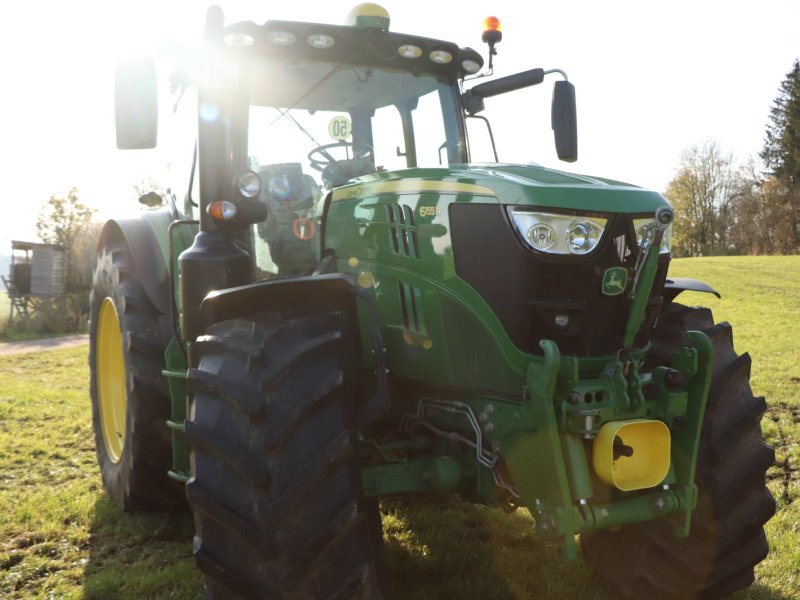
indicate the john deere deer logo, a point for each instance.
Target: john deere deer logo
{"x":615,"y":280}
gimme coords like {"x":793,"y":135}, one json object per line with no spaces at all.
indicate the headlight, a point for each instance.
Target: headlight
{"x":640,"y":226}
{"x":559,"y":234}
{"x":582,"y":236}
{"x":248,"y":184}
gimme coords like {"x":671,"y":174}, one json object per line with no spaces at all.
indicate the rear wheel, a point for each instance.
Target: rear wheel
{"x":275,"y":487}
{"x":727,"y":536}
{"x":130,"y":402}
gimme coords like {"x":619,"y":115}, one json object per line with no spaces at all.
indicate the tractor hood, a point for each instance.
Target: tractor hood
{"x":511,"y":184}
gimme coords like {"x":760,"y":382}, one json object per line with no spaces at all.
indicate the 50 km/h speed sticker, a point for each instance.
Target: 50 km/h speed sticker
{"x":303,"y":228}
{"x":340,"y":128}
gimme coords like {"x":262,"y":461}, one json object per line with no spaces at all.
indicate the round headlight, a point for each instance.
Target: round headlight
{"x":470,"y":66}
{"x":441,"y":57}
{"x":248,"y":184}
{"x":409,"y":51}
{"x":582,"y":237}
{"x":320,"y":40}
{"x":541,"y":236}
{"x":281,"y":38}
{"x":239,"y":40}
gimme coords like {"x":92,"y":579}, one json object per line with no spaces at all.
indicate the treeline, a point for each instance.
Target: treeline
{"x":753,"y":209}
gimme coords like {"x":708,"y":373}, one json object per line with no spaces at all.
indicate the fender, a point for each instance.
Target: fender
{"x":675,"y":285}
{"x":146,"y":238}
{"x":331,"y":290}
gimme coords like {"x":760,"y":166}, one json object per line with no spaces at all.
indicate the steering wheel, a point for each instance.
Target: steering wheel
{"x":320,"y":157}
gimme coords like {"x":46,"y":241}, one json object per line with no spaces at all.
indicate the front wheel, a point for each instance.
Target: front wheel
{"x":727,"y":531}
{"x":130,"y":401}
{"x":275,"y":486}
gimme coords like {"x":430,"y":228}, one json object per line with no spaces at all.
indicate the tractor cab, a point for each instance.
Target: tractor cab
{"x":317,"y":106}
{"x":327,"y":104}
{"x":290,"y":111}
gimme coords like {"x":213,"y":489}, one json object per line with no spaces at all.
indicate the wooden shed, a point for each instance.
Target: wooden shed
{"x":37,"y":271}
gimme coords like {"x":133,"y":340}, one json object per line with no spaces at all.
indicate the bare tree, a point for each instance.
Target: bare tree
{"x":748,"y":231}
{"x":703,"y":193}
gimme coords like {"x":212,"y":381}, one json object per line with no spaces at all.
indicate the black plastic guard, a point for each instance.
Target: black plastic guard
{"x":675,"y":285}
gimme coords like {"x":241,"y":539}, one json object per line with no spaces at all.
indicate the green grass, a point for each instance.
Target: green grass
{"x":61,"y":538}
{"x":5,"y":306}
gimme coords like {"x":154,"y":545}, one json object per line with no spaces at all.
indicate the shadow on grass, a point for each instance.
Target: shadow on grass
{"x":140,"y":555}
{"x":438,"y":549}
{"x":445,"y":548}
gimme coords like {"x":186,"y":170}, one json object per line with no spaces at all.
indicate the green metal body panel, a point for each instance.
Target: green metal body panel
{"x":391,"y":233}
{"x":454,"y":337}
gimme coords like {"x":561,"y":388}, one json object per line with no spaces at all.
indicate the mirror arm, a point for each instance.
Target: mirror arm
{"x":491,"y":135}
{"x":473,"y":98}
{"x":559,"y":71}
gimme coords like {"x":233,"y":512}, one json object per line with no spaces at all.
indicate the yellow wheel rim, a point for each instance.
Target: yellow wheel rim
{"x":111,"y":385}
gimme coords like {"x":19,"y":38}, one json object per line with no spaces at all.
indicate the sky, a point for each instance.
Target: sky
{"x":652,"y":79}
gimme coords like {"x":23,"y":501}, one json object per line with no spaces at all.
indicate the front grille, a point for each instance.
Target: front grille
{"x":402,"y":230}
{"x":411,"y":308}
{"x":527,"y":290}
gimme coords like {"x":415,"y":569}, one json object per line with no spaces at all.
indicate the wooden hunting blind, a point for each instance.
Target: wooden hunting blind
{"x":36,"y":273}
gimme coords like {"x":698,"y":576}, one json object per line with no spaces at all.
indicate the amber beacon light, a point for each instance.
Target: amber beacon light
{"x":492,"y":31}
{"x":492,"y":34}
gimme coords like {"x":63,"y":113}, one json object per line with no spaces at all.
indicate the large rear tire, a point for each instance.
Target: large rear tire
{"x":275,"y":486}
{"x":130,"y":401}
{"x":727,"y":535}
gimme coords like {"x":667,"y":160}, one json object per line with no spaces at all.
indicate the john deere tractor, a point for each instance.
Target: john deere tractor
{"x":343,"y":308}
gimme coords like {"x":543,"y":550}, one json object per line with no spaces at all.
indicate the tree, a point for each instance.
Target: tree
{"x":781,"y":153}
{"x":66,"y":221}
{"x":702,"y":193}
{"x":749,"y":221}
{"x":781,"y":156}
{"x":61,"y":218}
{"x":781,"y":209}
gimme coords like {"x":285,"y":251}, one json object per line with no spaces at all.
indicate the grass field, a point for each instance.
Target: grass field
{"x":61,"y":538}
{"x":5,"y":306}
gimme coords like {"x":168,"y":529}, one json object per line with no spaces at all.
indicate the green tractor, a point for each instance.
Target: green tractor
{"x":346,"y":308}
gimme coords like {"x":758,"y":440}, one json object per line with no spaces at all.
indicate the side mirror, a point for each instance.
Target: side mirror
{"x":564,"y":121}
{"x":136,"y":103}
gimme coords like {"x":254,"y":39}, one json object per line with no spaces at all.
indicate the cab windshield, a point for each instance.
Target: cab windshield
{"x":318,"y":113}
{"x":315,"y":126}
